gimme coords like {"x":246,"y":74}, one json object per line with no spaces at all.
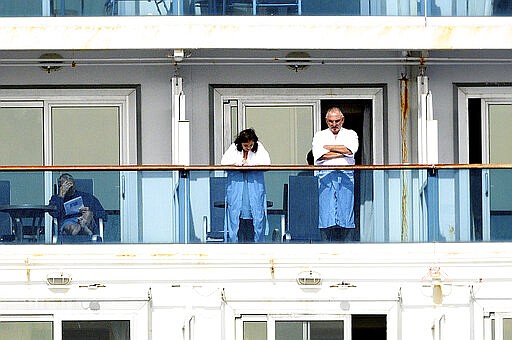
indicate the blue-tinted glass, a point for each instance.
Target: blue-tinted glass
{"x":24,"y":8}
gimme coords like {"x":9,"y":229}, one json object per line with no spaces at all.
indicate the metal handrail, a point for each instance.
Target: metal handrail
{"x":173,"y":167}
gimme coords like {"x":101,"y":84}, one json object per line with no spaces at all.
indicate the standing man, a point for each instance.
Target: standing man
{"x":335,"y":146}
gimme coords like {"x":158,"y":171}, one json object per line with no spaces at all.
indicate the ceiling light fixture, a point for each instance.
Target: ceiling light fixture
{"x":58,"y":279}
{"x":50,"y":62}
{"x":296,"y":61}
{"x":437,"y":284}
{"x":309,"y":278}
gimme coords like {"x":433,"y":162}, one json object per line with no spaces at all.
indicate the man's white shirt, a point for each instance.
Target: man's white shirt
{"x":345,"y":137}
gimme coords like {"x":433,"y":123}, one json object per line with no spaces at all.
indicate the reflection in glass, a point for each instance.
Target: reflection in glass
{"x":99,"y":330}
{"x":304,"y":330}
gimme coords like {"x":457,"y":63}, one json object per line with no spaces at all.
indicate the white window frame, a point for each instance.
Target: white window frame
{"x":498,"y":318}
{"x":486,"y":94}
{"x":486,"y":185}
{"x":298,"y":96}
{"x":307,"y":96}
{"x":136,"y":317}
{"x":122,"y":98}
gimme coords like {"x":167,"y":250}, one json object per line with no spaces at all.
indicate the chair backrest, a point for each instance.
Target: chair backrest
{"x":5,"y":192}
{"x":217,"y":198}
{"x":85,"y":185}
{"x":81,"y":184}
{"x":303,"y":209}
{"x":5,"y":198}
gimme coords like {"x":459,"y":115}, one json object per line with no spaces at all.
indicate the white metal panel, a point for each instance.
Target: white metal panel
{"x":279,"y":32}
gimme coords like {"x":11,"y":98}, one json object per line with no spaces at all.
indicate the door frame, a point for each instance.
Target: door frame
{"x":298,"y":95}
{"x":275,"y":95}
{"x":493,"y":94}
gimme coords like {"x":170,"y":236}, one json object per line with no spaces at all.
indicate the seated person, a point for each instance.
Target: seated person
{"x":77,"y":212}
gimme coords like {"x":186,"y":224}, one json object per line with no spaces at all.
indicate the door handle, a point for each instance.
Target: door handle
{"x":486,"y":184}
{"x":123,"y":187}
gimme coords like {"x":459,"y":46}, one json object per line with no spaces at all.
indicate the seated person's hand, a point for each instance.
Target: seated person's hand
{"x":86,"y":221}
{"x":71,"y":229}
{"x":84,"y":225}
{"x":86,"y":217}
{"x":64,"y":188}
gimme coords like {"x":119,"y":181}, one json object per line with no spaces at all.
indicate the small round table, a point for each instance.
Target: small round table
{"x":35,"y":212}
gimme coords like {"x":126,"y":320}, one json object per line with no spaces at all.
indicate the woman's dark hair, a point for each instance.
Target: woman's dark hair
{"x":310,"y":158}
{"x":246,"y":136}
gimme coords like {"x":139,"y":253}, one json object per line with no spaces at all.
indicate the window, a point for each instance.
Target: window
{"x":29,"y":118}
{"x":312,"y":327}
{"x":71,"y":330}
{"x":498,"y":326}
{"x":293,"y":327}
{"x":97,"y":330}
{"x":306,"y":330}
{"x":26,"y":330}
{"x":75,"y":319}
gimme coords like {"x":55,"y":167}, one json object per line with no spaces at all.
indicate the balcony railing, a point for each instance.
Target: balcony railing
{"x":173,"y":204}
{"x":256,"y":7}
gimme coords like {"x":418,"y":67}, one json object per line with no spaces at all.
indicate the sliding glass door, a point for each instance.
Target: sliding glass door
{"x":70,"y":128}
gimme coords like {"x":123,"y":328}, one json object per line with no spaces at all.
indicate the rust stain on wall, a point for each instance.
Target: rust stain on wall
{"x":404,"y":119}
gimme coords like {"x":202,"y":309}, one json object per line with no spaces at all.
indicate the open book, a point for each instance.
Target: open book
{"x":74,"y":205}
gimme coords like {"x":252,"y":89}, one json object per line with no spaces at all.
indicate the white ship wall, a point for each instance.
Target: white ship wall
{"x":166,"y":290}
{"x":199,"y":291}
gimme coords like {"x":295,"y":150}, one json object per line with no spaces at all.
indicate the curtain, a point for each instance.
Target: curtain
{"x":367,"y":223}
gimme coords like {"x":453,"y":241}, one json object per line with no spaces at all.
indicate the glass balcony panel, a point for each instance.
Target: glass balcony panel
{"x":256,"y":7}
{"x":77,"y":7}
{"x":105,"y":186}
{"x":28,"y":8}
{"x":189,"y":205}
{"x":331,"y":7}
{"x":19,"y":189}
